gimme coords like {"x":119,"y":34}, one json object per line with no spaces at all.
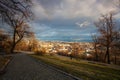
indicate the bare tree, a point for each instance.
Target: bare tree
{"x":116,"y":46}
{"x":75,"y":49}
{"x":107,"y":28}
{"x":19,"y":27}
{"x":95,"y":43}
{"x":15,"y":7}
{"x":15,"y":13}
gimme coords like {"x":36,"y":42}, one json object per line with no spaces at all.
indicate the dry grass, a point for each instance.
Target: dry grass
{"x":82,"y":69}
{"x":3,"y":61}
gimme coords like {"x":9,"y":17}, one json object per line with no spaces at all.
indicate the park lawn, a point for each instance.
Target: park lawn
{"x":3,"y":61}
{"x":81,"y":69}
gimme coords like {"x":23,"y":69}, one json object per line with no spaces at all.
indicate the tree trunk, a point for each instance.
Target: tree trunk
{"x":71,"y":56}
{"x":13,"y":47}
{"x":108,"y":55}
{"x":96,"y":55}
{"x":13,"y":43}
{"x":115,"y":59}
{"x":105,"y":56}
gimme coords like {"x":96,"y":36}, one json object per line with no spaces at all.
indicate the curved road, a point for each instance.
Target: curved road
{"x":23,"y":67}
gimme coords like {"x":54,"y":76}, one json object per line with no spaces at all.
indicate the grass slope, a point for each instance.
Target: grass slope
{"x":3,"y":61}
{"x":82,"y":69}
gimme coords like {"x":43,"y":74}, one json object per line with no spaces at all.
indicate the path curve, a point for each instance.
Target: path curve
{"x":23,"y":67}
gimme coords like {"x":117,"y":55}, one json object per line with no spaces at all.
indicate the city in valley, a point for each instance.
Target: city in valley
{"x":64,"y":48}
{"x":57,"y":47}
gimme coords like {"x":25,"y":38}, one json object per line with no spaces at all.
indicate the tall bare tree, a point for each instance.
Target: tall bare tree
{"x":107,"y":28}
{"x":116,"y":46}
{"x":15,"y":13}
{"x":95,"y":43}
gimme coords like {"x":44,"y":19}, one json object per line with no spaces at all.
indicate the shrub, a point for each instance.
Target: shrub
{"x":39,"y":52}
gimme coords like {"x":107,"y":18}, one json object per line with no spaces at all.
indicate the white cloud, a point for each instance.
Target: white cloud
{"x":48,"y":34}
{"x":84,"y":24}
{"x":37,"y":27}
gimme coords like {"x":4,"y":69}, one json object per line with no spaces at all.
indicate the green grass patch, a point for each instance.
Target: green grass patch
{"x":82,"y":69}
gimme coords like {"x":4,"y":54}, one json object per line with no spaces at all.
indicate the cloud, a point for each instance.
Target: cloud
{"x":69,"y":9}
{"x":44,"y":9}
{"x":48,"y":34}
{"x":38,"y":27}
{"x":56,"y":19}
{"x":84,"y":24}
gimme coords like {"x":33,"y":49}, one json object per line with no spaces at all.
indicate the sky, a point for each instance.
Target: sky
{"x":69,"y":20}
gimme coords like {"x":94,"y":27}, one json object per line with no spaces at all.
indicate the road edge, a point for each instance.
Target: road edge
{"x":56,"y":69}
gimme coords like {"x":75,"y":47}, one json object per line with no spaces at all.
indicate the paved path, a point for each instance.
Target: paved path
{"x":23,"y":67}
